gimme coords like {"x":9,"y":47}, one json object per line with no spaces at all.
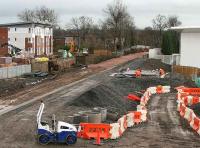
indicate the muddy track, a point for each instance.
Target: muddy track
{"x":163,"y":129}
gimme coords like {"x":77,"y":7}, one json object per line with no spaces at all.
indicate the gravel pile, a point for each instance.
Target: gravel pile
{"x":111,"y":93}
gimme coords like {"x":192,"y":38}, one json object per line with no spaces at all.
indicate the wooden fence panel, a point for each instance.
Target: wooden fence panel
{"x":186,"y":70}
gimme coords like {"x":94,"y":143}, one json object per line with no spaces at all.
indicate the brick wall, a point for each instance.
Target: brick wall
{"x":58,"y":43}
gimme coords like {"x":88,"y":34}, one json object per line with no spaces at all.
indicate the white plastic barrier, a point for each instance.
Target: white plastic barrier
{"x":166,"y":89}
{"x":144,"y":115}
{"x":186,"y":112}
{"x":114,"y":131}
{"x":123,"y":124}
{"x":152,"y":90}
{"x":130,"y":122}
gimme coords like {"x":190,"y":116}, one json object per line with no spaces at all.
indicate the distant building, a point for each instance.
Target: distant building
{"x":71,"y":41}
{"x":33,"y":38}
{"x":189,"y":46}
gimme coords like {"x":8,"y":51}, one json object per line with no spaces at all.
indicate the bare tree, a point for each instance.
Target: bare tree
{"x":82,"y":26}
{"x":160,"y":23}
{"x":42,"y":14}
{"x":173,"y":21}
{"x":118,"y":20}
{"x":27,"y":15}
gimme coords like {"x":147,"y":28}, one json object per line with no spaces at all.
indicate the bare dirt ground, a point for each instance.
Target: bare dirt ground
{"x":163,"y":129}
{"x":15,"y":92}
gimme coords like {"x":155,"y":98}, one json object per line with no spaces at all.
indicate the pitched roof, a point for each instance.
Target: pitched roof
{"x":186,"y":28}
{"x":25,"y":24}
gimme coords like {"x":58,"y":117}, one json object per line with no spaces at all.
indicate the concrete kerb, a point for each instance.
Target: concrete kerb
{"x":20,"y":107}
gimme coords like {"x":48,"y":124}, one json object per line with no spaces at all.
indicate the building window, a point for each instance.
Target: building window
{"x":8,"y":29}
{"x":29,"y":40}
{"x":15,"y":39}
{"x":29,"y":30}
{"x":8,"y":39}
{"x":15,"y":29}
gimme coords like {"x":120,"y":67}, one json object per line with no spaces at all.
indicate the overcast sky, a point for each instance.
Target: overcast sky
{"x":143,"y":11}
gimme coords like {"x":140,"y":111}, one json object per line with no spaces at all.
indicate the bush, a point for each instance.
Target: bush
{"x":170,"y":42}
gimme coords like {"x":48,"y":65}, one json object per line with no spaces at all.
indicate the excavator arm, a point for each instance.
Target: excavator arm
{"x":14,"y":50}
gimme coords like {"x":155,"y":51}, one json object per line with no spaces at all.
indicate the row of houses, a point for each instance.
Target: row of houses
{"x":34,"y":39}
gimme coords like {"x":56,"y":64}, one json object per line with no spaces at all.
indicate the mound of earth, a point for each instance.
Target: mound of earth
{"x":153,"y":64}
{"x":112,"y":94}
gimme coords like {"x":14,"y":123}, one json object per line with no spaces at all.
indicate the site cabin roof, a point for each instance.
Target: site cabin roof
{"x":63,"y":37}
{"x":24,"y":24}
{"x":186,"y":29}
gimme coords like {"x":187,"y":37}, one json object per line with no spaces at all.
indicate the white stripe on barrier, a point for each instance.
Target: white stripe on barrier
{"x":121,"y":122}
{"x":130,"y":122}
{"x":114,"y":131}
{"x":152,"y":90}
{"x":187,"y":113}
{"x":144,"y":115}
{"x":192,"y":121}
{"x":189,"y":98}
{"x":166,"y":89}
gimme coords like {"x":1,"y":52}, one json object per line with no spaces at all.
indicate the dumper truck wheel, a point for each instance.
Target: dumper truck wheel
{"x":43,"y":139}
{"x":71,"y":139}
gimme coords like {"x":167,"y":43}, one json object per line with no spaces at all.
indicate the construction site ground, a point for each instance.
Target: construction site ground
{"x":164,"y":127}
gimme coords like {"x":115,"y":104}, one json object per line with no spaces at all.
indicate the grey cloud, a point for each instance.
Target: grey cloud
{"x":142,"y":10}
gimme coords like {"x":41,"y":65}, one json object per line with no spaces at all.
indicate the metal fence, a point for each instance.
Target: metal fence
{"x":15,"y":71}
{"x":173,"y":59}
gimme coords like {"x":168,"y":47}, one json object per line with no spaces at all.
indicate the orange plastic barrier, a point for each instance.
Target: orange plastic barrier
{"x":138,"y":73}
{"x":185,"y":100}
{"x":196,"y":124}
{"x":195,"y":100}
{"x":137,"y":117}
{"x":90,"y":130}
{"x":159,"y":89}
{"x":133,"y":97}
{"x":98,"y":139}
{"x":191,"y":91}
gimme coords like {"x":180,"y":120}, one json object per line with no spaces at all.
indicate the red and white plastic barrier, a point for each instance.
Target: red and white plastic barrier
{"x":185,"y":99}
{"x":136,"y":117}
{"x":115,"y":130}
